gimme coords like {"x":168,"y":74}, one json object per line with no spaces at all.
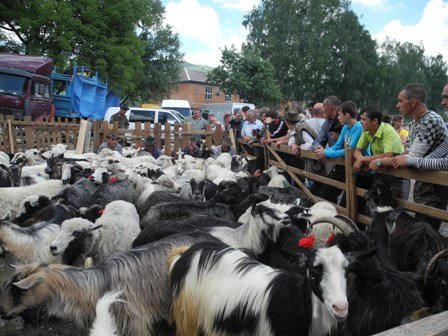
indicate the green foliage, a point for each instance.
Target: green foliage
{"x":318,"y":48}
{"x":124,"y":40}
{"x":247,"y":75}
{"x":404,"y":63}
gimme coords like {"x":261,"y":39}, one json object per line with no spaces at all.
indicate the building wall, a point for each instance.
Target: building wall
{"x":195,"y":94}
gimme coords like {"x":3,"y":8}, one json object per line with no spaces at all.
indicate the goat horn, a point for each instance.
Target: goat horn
{"x":349,"y":221}
{"x":432,"y":264}
{"x":345,"y":228}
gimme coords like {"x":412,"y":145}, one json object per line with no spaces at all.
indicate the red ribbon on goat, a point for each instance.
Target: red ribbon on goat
{"x":307,"y":242}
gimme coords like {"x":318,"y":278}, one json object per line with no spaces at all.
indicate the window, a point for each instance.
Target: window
{"x":208,"y":93}
{"x":142,"y":115}
{"x":166,"y":117}
{"x":41,"y":90}
{"x":227,"y":98}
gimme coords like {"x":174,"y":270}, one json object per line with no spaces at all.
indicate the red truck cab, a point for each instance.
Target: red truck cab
{"x":25,"y":86}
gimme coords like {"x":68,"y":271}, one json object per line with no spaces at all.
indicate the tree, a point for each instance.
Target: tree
{"x":111,"y":37}
{"x":247,"y":75}
{"x":317,"y":47}
{"x":405,"y":63}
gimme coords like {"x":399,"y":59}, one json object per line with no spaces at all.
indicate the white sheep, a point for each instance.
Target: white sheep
{"x":11,"y":199}
{"x":114,"y":231}
{"x":224,"y":160}
{"x":277,"y":180}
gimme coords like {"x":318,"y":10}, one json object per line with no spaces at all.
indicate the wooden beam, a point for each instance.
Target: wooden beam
{"x":434,"y":325}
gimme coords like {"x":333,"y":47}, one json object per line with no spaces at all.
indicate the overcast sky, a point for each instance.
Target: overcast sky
{"x":205,"y":26}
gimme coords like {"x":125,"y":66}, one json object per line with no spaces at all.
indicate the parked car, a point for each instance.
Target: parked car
{"x":181,"y":106}
{"x":143,"y":115}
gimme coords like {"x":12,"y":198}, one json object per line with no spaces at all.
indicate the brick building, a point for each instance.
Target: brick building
{"x":192,"y":86}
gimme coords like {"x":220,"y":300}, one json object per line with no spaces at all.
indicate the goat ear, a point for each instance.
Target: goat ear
{"x":253,"y":210}
{"x":299,"y":259}
{"x":28,"y":283}
{"x":96,"y":227}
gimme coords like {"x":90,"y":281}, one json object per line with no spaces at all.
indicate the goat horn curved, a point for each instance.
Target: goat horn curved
{"x":345,"y":228}
{"x":349,"y":221}
{"x":432,"y":264}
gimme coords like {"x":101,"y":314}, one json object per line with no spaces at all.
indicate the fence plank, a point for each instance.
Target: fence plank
{"x":157,"y":134}
{"x":434,"y":325}
{"x":138,"y":134}
{"x":176,"y":138}
{"x":168,"y":139}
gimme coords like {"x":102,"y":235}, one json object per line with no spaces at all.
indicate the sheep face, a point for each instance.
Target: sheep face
{"x":164,"y":161}
{"x":168,"y":184}
{"x":16,"y":171}
{"x":72,"y":229}
{"x":100,"y":176}
{"x":328,"y":280}
{"x":69,"y":172}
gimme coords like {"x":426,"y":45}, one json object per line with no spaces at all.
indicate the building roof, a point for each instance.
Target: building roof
{"x":188,"y":75}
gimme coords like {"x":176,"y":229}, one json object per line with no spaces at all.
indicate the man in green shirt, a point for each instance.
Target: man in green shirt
{"x":383,"y":141}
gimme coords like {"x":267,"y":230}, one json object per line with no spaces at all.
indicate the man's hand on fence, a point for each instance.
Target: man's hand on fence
{"x":296,"y":150}
{"x":399,"y":161}
{"x":320,"y":153}
{"x":357,"y":166}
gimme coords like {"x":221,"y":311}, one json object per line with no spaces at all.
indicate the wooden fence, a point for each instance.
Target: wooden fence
{"x":18,"y":136}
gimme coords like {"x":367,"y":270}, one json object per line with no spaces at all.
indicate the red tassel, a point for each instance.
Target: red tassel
{"x":330,"y":238}
{"x":307,"y":242}
{"x":100,"y":212}
{"x":113,"y":179}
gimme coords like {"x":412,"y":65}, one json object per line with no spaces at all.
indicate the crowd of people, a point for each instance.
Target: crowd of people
{"x":325,"y":128}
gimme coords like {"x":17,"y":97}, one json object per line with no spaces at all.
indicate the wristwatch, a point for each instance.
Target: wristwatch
{"x":378,"y":162}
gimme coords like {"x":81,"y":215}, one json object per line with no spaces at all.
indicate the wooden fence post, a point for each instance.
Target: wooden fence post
{"x":186,"y":130}
{"x":138,"y":134}
{"x":350,"y":183}
{"x":168,"y":139}
{"x":12,"y":138}
{"x":208,"y":137}
{"x":176,"y":138}
{"x":157,"y":134}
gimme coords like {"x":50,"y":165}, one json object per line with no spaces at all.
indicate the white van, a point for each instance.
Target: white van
{"x":182,"y":106}
{"x":141,"y":114}
{"x":218,"y":110}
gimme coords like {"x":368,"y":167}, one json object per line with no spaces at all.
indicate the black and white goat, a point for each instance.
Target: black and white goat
{"x":380,"y":296}
{"x":219,"y":290}
{"x":410,"y":242}
{"x":262,"y":223}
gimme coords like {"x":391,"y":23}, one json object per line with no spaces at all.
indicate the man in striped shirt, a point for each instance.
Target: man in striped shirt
{"x":427,"y":133}
{"x":437,"y":160}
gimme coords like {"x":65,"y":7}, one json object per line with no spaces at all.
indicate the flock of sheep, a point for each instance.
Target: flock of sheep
{"x":201,"y":247}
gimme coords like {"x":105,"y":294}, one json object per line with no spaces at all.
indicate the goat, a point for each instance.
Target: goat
{"x":254,"y":298}
{"x":11,"y":198}
{"x":37,"y":209}
{"x":409,"y":242}
{"x":157,"y":197}
{"x":114,"y":231}
{"x":80,"y":194}
{"x":28,"y":245}
{"x":289,"y":195}
{"x":262,"y":224}
{"x":277,"y":180}
{"x":380,"y":296}
{"x":71,"y":293}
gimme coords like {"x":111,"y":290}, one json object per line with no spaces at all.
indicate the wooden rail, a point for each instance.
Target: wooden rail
{"x":349,"y":186}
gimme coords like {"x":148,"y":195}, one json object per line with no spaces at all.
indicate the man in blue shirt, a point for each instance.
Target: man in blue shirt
{"x":350,"y":134}
{"x":112,"y":143}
